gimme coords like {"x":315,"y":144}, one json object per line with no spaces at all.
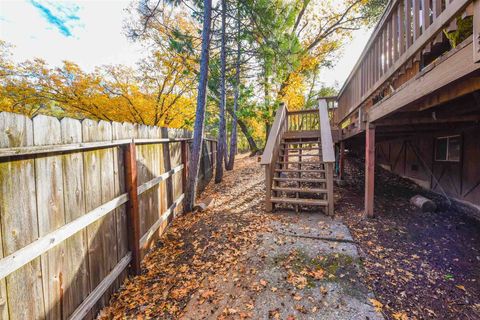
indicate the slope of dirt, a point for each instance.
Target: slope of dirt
{"x":419,"y":265}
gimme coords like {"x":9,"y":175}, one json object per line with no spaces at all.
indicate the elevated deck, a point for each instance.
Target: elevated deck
{"x":410,"y":65}
{"x":414,"y":92}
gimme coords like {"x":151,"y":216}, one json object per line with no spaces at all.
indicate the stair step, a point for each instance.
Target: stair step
{"x":300,"y":170}
{"x":309,"y":202}
{"x":301,"y":142}
{"x":302,"y":155}
{"x":297,"y":149}
{"x":304,"y":190}
{"x":300,"y":179}
{"x":301,"y":162}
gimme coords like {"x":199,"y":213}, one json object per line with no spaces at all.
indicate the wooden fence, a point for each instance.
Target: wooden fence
{"x":80,"y":203}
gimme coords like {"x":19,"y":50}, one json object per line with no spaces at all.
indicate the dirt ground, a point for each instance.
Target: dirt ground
{"x":419,"y":265}
{"x":235,"y":261}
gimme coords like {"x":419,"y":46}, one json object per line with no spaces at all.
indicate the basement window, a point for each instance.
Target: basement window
{"x":447,"y":148}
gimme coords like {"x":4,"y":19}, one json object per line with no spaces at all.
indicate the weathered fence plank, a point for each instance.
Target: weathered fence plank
{"x":93,"y":199}
{"x":119,"y":132}
{"x":18,"y":213}
{"x":109,"y":227}
{"x":50,"y":210}
{"x":76,"y":262}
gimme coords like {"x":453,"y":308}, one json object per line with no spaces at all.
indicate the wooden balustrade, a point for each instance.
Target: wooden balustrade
{"x":400,"y":46}
{"x":270,"y":152}
{"x":303,"y":120}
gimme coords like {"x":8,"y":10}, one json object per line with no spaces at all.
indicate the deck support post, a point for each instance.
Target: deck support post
{"x":133,"y":217}
{"x":341,"y":161}
{"x":268,"y":186}
{"x":369,"y":169}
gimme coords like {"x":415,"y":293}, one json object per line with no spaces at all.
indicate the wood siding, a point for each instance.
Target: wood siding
{"x":413,"y":158}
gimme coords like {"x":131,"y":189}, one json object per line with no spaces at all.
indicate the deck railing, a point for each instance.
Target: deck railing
{"x":303,"y":120}
{"x":410,"y":34}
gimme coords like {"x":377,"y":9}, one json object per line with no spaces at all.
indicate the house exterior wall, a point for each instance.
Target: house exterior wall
{"x":413,"y":158}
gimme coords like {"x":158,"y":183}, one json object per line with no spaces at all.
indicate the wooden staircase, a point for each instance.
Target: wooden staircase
{"x":298,"y":160}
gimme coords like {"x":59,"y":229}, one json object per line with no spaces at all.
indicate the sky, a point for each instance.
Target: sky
{"x":90,"y":33}
{"x":350,"y":53}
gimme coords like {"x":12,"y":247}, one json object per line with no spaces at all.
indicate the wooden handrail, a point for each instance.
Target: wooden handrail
{"x":271,"y":150}
{"x":325,"y":132}
{"x":302,"y":111}
{"x":275,"y":132}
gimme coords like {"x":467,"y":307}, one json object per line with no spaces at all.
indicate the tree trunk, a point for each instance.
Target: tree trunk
{"x":267,"y":130}
{"x":222,"y":124}
{"x":251,"y":142}
{"x":233,"y":137}
{"x":196,"y":151}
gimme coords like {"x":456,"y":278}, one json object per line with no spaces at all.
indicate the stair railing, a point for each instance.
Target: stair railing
{"x":328,"y":153}
{"x":270,"y":153}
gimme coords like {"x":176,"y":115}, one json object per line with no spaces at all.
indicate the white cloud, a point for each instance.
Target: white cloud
{"x":97,"y":39}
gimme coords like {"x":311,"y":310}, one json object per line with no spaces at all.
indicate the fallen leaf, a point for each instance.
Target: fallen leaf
{"x":377,"y":304}
{"x":400,"y":316}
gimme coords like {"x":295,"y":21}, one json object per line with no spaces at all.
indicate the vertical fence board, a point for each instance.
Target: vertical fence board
{"x":18,"y":212}
{"x":148,"y":196}
{"x":93,"y":199}
{"x":77,"y":286}
{"x":142,"y":174}
{"x":109,"y":228}
{"x":50,"y":210}
{"x":120,"y":131}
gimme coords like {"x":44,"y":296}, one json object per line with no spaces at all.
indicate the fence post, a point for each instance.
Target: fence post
{"x":133,"y":218}
{"x":185,"y":165}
